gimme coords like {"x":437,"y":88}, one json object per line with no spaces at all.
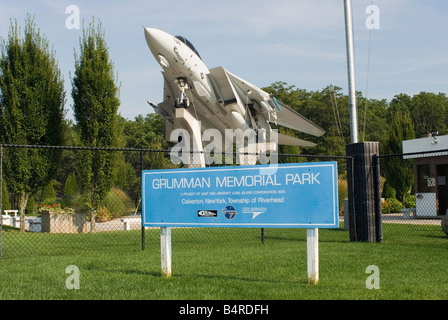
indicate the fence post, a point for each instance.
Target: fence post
{"x":1,"y":201}
{"x":377,"y":191}
{"x":351,"y":199}
{"x":361,"y":180}
{"x":142,"y":227}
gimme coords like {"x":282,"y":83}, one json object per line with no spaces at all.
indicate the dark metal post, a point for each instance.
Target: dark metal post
{"x":351,"y":199}
{"x":1,"y":201}
{"x":143,"y":228}
{"x":262,"y":235}
{"x":377,"y":190}
{"x":362,"y":182}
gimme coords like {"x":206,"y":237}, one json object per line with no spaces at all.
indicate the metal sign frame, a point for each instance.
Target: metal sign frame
{"x":301,"y":195}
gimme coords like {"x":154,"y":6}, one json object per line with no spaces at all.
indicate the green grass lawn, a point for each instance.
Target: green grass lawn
{"x":221,"y":264}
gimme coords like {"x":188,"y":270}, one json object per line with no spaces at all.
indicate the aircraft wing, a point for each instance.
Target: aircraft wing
{"x":282,"y":114}
{"x":289,"y":118}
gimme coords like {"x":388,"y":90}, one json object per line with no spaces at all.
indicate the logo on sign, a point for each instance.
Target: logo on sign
{"x":207,"y":213}
{"x":255,"y":211}
{"x":229,"y":212}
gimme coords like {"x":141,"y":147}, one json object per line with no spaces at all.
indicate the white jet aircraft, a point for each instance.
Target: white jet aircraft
{"x":216,"y":97}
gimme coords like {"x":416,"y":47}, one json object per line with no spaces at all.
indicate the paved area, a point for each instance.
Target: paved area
{"x":113,"y":225}
{"x":398,"y":218}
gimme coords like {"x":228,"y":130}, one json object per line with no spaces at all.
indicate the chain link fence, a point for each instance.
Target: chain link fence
{"x":417,"y":209}
{"x":115,"y":221}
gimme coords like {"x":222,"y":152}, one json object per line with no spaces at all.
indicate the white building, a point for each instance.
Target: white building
{"x":430,"y":156}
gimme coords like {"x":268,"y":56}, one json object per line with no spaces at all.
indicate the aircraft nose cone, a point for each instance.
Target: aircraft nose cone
{"x":161,"y":45}
{"x":149,"y":35}
{"x":159,"y":41}
{"x":156,"y":37}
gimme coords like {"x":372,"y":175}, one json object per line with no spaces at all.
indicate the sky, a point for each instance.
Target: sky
{"x":401,"y":46}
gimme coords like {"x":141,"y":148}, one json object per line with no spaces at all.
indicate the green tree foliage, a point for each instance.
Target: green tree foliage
{"x":398,"y":171}
{"x":71,"y":187}
{"x":31,"y":110}
{"x":48,"y":194}
{"x":429,"y":113}
{"x":142,"y":133}
{"x":70,"y":158}
{"x":30,"y":205}
{"x":329,"y":109}
{"x":6,"y":205}
{"x":372,"y":119}
{"x":147,"y":132}
{"x":95,"y":105}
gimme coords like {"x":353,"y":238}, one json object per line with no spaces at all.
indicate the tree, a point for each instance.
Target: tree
{"x":146,"y":133}
{"x":5,"y":196}
{"x":48,"y":194}
{"x":372,"y":120}
{"x":398,"y":171}
{"x":71,"y":187}
{"x":429,"y":113}
{"x":95,"y":105}
{"x":32,"y":101}
{"x":327,"y":108}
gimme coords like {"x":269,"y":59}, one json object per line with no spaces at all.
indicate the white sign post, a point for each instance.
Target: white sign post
{"x":165,"y":249}
{"x":312,"y":254}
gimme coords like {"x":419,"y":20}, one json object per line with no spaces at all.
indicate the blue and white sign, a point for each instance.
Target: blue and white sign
{"x":302,"y":195}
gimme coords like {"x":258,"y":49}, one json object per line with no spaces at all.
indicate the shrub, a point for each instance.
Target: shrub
{"x":30,"y":205}
{"x":391,"y":205}
{"x":76,"y":201}
{"x":71,"y":186}
{"x":48,"y":194}
{"x":102,"y":214}
{"x":118,"y":203}
{"x":342,"y":193}
{"x":409,"y":201}
{"x":388,"y":191}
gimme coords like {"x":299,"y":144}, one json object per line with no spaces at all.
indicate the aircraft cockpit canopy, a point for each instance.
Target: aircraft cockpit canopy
{"x":189,"y":44}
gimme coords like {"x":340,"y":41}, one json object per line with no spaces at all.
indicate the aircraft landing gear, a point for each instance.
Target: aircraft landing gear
{"x":182,"y":101}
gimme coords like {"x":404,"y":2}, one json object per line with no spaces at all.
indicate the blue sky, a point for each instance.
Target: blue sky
{"x":301,"y":42}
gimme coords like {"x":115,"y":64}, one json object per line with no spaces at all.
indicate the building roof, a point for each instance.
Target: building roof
{"x":433,"y":146}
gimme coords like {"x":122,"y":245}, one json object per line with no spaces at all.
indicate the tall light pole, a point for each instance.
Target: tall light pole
{"x":351,"y":71}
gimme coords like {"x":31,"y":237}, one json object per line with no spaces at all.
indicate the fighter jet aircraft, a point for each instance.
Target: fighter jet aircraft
{"x":216,"y":97}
